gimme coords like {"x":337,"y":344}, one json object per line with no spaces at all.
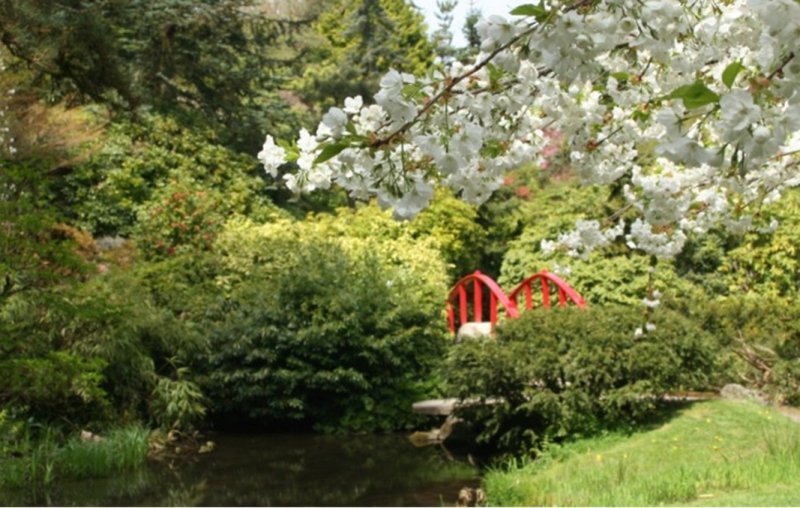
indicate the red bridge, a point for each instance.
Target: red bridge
{"x":475,"y":283}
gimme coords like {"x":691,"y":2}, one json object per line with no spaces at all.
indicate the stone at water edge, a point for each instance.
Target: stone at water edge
{"x":471,"y":497}
{"x":735,"y":391}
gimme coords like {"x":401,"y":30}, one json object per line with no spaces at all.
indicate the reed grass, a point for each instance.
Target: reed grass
{"x":41,"y":462}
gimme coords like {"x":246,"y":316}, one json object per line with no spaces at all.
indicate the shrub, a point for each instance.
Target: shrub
{"x":564,"y":372}
{"x":452,"y":224}
{"x":180,"y":219}
{"x":56,"y":386}
{"x":336,"y":331}
{"x":761,"y":336}
{"x":35,"y":252}
{"x":177,"y":403}
{"x":137,"y":159}
{"x":83,"y":350}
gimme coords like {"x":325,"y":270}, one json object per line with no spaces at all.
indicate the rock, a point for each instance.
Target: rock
{"x":207,"y":447}
{"x":474,"y":330}
{"x":90,"y":436}
{"x":738,"y":392}
{"x":471,"y":497}
{"x":435,"y":436}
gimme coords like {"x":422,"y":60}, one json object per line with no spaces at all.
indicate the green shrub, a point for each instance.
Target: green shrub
{"x":56,"y":386}
{"x":761,"y":335}
{"x":337,"y":331}
{"x":452,"y":225}
{"x":177,"y":403}
{"x":76,"y":353}
{"x":768,"y":262}
{"x":179,"y":219}
{"x":136,"y":160}
{"x":564,"y":372}
{"x":33,"y":253}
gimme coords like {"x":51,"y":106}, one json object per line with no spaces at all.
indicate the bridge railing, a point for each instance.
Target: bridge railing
{"x":459,"y":296}
{"x":564,"y":291}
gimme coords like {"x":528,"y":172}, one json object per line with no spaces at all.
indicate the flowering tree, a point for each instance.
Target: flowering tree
{"x":692,"y":108}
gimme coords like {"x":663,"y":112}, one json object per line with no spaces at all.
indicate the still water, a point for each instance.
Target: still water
{"x":282,"y":470}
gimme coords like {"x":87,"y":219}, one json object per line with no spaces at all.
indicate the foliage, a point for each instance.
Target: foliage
{"x":717,"y":453}
{"x":442,"y":37}
{"x":177,"y":403}
{"x":38,"y":463}
{"x":143,"y":163}
{"x":337,"y":331}
{"x":359,"y":41}
{"x":553,"y":374}
{"x":762,"y":337}
{"x":453,"y":226}
{"x":34,"y":253}
{"x":91,"y":351}
{"x":180,"y":218}
{"x":613,"y":274}
{"x":58,"y":386}
{"x":501,"y":217}
{"x":206,"y":60}
{"x":767,"y":262}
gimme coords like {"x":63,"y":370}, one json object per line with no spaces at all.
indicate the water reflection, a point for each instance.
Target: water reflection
{"x":282,"y":470}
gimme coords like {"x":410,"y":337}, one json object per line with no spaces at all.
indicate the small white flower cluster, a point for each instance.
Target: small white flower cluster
{"x":695,"y":102}
{"x":587,"y":236}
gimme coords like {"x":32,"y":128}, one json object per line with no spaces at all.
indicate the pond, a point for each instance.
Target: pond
{"x":282,"y":470}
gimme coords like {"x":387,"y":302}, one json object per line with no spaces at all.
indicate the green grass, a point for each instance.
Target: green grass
{"x":122,"y":449}
{"x":44,"y":461}
{"x":710,"y":454}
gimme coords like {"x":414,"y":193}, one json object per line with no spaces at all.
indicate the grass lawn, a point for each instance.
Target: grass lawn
{"x":716,"y":453}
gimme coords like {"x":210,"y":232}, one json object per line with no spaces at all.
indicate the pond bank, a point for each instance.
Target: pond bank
{"x":279,"y":469}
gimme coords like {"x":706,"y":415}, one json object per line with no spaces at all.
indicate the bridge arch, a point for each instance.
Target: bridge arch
{"x":564,"y":291}
{"x":478,"y":281}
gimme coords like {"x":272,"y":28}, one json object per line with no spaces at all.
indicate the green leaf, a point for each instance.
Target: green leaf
{"x":537,"y":11}
{"x":620,"y":76}
{"x":695,"y":95}
{"x":730,"y":73}
{"x":330,"y":151}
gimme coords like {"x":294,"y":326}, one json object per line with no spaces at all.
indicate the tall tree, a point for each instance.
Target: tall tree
{"x":357,"y":43}
{"x":214,"y":60}
{"x":470,"y":31}
{"x":443,"y":35}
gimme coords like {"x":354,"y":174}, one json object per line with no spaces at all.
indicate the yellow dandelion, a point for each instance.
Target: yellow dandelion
{"x":598,"y":458}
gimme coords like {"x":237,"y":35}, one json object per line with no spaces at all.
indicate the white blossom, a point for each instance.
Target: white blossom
{"x":271,"y":156}
{"x":695,"y":104}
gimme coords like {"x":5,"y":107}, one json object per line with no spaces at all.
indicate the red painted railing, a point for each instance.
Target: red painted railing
{"x":496,"y":295}
{"x":546,"y":278}
{"x":564,"y":293}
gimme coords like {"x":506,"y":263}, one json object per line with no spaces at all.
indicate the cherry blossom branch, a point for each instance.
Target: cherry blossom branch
{"x":448,"y":89}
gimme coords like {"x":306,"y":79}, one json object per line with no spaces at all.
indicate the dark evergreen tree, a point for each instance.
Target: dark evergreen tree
{"x":216,"y":61}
